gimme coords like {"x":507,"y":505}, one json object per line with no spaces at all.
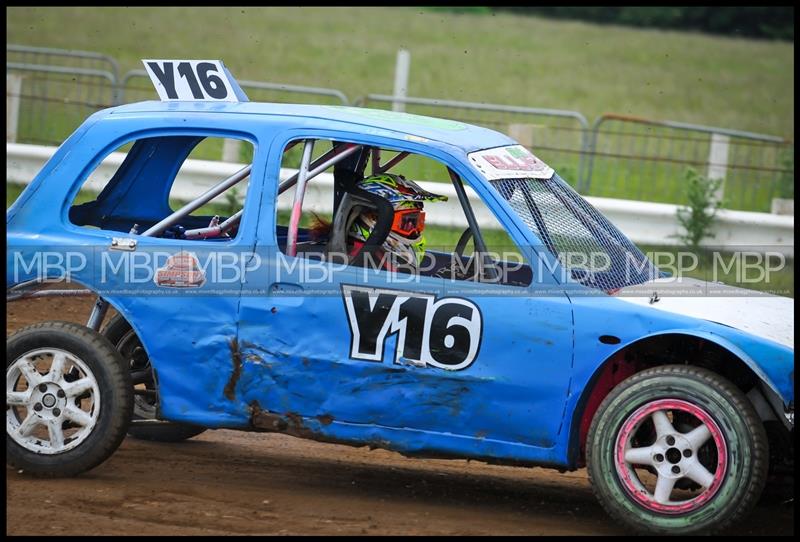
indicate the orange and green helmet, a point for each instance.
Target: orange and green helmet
{"x":405,"y":240}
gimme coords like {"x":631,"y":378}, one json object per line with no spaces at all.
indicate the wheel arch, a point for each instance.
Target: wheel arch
{"x":684,"y":347}
{"x":114,"y":302}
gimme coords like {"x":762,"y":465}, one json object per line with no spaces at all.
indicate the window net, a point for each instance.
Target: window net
{"x":587,"y":245}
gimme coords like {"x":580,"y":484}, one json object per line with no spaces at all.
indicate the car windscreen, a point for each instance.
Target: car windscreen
{"x":587,"y":245}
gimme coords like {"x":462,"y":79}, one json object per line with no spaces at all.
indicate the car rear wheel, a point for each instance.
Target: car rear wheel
{"x":676,"y":450}
{"x":122,"y":336}
{"x":68,"y":399}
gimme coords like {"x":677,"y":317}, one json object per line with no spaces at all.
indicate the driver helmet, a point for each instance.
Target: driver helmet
{"x":405,"y":244}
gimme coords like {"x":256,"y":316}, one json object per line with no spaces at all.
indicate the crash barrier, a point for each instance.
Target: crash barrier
{"x":643,"y":222}
{"x":49,"y":92}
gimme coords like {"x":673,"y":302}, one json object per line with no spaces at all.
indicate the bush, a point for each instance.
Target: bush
{"x":698,"y":217}
{"x":232,"y":202}
{"x":769,"y":22}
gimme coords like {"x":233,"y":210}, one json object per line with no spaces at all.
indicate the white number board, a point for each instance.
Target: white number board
{"x":513,"y":162}
{"x":193,"y":80}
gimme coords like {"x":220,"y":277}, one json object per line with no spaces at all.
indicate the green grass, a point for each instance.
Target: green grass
{"x":491,"y":58}
{"x":499,"y":58}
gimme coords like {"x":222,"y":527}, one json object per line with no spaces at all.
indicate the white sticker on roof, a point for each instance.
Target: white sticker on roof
{"x":512,"y":162}
{"x":193,"y":80}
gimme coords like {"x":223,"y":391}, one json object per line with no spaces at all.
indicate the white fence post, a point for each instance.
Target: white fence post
{"x":230,"y":150}
{"x":718,"y":161}
{"x":523,"y":133}
{"x":401,"y":79}
{"x":13,"y":91}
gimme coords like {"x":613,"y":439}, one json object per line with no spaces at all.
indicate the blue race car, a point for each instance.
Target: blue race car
{"x":495,"y":316}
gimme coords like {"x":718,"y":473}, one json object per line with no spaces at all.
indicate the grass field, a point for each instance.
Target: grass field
{"x":491,"y":58}
{"x":506,"y":59}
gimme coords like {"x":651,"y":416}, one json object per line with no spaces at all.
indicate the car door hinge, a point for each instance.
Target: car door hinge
{"x":123,"y":243}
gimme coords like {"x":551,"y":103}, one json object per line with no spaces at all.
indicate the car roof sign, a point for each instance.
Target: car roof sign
{"x":193,"y":80}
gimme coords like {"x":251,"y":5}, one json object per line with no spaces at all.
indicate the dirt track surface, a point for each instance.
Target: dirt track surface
{"x":230,"y":482}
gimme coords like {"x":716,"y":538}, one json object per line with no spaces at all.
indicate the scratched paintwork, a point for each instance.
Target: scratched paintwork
{"x":267,"y":362}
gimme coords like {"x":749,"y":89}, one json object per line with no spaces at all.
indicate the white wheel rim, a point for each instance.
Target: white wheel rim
{"x":52,"y":401}
{"x":673,"y":456}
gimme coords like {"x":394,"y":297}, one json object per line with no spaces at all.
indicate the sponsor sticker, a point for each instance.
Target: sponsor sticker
{"x":182,"y":270}
{"x":512,"y":162}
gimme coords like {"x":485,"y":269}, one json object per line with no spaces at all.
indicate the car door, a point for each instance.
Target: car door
{"x":180,"y":295}
{"x":359,"y":349}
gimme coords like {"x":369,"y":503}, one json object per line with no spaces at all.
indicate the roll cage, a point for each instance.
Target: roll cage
{"x":349,"y":161}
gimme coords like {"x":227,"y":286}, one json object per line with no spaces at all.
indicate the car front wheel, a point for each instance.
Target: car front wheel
{"x":676,"y":450}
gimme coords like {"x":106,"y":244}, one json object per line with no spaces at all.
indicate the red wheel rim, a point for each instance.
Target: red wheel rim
{"x":673,"y":456}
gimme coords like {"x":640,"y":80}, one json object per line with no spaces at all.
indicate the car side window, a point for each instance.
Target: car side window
{"x":139,"y":187}
{"x":389,"y":210}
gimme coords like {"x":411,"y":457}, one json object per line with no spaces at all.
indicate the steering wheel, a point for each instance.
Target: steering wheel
{"x":454,"y":270}
{"x":462,"y":242}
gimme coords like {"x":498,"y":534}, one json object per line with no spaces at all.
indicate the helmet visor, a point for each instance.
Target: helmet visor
{"x":408,"y":222}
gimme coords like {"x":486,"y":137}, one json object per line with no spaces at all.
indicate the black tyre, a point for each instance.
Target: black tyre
{"x":122,"y":336}
{"x":68,"y":399}
{"x":676,"y":450}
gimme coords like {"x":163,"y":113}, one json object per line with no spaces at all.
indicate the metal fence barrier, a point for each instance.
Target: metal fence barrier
{"x":557,"y":136}
{"x":135,"y":86}
{"x":50,"y":92}
{"x":641,"y":159}
{"x":66,"y":58}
